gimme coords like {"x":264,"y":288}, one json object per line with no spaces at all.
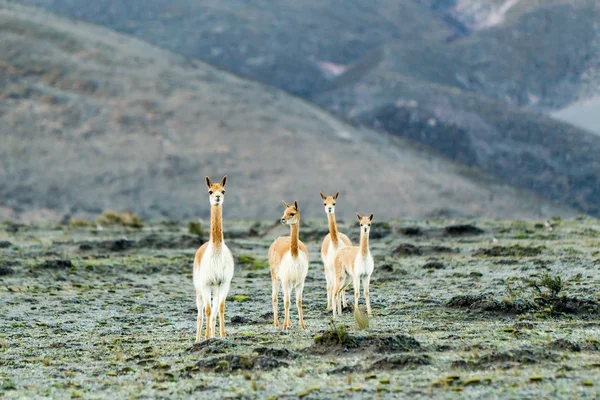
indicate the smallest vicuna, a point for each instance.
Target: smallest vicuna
{"x":353,"y":264}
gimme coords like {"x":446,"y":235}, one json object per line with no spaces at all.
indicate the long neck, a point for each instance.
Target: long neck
{"x":216,"y":225}
{"x":294,"y":239}
{"x":364,"y":243}
{"x":333,"y":232}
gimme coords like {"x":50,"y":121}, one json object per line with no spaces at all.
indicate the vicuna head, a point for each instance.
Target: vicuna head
{"x":365,"y":223}
{"x":216,"y":191}
{"x":329,"y":202}
{"x":291,"y":215}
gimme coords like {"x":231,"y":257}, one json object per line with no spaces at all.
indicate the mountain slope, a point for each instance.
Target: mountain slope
{"x":93,"y":120}
{"x":527,"y":149}
{"x":294,"y":45}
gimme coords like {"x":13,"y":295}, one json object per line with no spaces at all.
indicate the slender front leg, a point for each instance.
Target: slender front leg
{"x":299,"y":290}
{"x":213,"y":315}
{"x":366,"y":284}
{"x":275,"y":284}
{"x":199,"y":320}
{"x":222,"y":318}
{"x":207,"y":310}
{"x":356,"y":285}
{"x":287,"y":323}
{"x":338,"y":300}
{"x":334,"y":292}
{"x":328,"y":279}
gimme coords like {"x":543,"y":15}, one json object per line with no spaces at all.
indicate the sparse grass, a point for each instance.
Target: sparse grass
{"x":80,"y":223}
{"x":361,"y":319}
{"x":126,"y":219}
{"x":195,"y":228}
{"x":553,"y":284}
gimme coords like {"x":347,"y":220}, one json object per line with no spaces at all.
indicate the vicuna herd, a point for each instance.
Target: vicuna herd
{"x":288,"y":259}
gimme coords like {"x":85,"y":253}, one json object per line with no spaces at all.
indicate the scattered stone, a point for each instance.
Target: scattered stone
{"x":212,"y":346}
{"x":346,"y":369}
{"x":433,"y":265}
{"x":276,"y":353}
{"x":406,"y":249}
{"x":56,"y":264}
{"x":4,"y":270}
{"x":411,"y":231}
{"x":4,"y":244}
{"x":463,"y":230}
{"x":238,"y":319}
{"x":233,"y":362}
{"x":564,"y":344}
{"x":401,"y":361}
{"x":510,"y":251}
{"x":518,"y":356}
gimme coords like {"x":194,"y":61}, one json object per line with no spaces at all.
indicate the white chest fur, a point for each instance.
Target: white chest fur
{"x":216,"y":267}
{"x":332,"y":249}
{"x":363,"y":264}
{"x":293,"y":270}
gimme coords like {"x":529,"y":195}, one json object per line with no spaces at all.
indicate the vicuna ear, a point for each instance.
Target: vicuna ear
{"x":358,"y":216}
{"x":296,"y":205}
{"x":286,"y":205}
{"x":336,"y":196}
{"x":371,"y":217}
{"x":322,"y":195}
{"x":208,"y":182}
{"x":224,"y":180}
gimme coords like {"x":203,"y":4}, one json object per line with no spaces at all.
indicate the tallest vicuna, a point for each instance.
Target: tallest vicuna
{"x":213,"y":266}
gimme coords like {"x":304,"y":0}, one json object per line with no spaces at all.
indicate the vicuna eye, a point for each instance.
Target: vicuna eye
{"x":222,"y":191}
{"x":210,"y":192}
{"x":325,"y":204}
{"x":291,"y":215}
{"x":334,"y":204}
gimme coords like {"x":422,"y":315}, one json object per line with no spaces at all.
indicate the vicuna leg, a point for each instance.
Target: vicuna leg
{"x":344,"y":298}
{"x":299,"y":290}
{"x":329,"y":288}
{"x":213,"y":315}
{"x":356,"y":284}
{"x":287,"y":323}
{"x":222,"y":296}
{"x":199,"y":320}
{"x":334,"y":291}
{"x":275,"y":283}
{"x":207,"y":310}
{"x":366,"y":284}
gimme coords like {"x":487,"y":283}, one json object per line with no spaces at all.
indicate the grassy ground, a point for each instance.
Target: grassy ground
{"x":504,"y":310}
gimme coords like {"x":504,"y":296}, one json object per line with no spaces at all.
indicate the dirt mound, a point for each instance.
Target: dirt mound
{"x":276,"y":353}
{"x":152,"y":241}
{"x":401,"y":361}
{"x":56,"y":264}
{"x":463,"y":230}
{"x":487,"y":302}
{"x":212,"y":346}
{"x":338,"y":340}
{"x":408,"y":250}
{"x":510,"y":251}
{"x":232,"y":362}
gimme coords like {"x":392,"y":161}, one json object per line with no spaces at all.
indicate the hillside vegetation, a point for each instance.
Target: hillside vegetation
{"x":93,"y":120}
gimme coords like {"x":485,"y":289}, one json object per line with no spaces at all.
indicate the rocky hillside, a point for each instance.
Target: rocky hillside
{"x":94,"y":120}
{"x":479,"y":71}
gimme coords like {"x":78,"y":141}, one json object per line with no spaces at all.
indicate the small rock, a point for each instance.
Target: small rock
{"x":56,"y":264}
{"x":433,"y":265}
{"x":463,"y":230}
{"x":4,"y":244}
{"x":238,"y":319}
{"x":406,"y":249}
